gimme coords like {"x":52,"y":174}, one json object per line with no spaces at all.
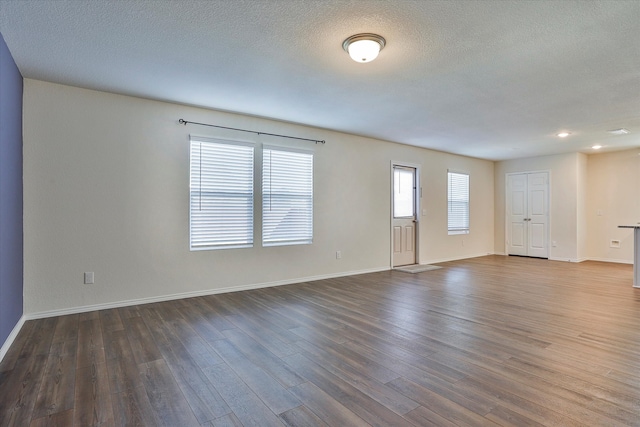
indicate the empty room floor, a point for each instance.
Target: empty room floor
{"x":493,"y":340}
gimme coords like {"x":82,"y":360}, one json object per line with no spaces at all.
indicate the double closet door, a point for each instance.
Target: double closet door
{"x":528,"y":214}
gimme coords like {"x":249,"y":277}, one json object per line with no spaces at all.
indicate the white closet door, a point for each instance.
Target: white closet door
{"x":528,"y":214}
{"x":538,"y":201}
{"x":516,"y":214}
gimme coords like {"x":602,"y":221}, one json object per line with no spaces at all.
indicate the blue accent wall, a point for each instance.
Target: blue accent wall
{"x":11,"y":254}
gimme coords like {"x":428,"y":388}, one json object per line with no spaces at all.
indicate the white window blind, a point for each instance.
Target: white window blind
{"x":458,"y":203}
{"x":221,"y":192}
{"x":287,"y":197}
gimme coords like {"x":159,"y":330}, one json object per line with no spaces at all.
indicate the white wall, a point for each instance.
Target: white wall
{"x":563,"y":204}
{"x":435,"y":243}
{"x":613,"y":199}
{"x":106,"y":190}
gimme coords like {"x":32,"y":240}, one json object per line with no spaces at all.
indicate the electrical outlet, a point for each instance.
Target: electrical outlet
{"x":338,"y":254}
{"x":614,"y":244}
{"x":88,"y":278}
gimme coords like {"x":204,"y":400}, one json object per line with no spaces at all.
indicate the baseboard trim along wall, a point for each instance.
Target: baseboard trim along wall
{"x":162,"y":298}
{"x":435,"y":261}
{"x":617,"y":261}
{"x":563,"y":259}
{"x":12,"y":336}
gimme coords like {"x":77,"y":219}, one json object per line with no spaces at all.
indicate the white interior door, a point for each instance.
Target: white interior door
{"x":528,"y":214}
{"x":404,"y":215}
{"x":517,"y":214}
{"x":538,"y":218}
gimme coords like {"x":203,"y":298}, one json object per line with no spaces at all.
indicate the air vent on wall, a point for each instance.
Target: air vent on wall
{"x":621,"y":131}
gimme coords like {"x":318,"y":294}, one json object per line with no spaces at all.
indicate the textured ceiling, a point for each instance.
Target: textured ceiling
{"x":489,"y":79}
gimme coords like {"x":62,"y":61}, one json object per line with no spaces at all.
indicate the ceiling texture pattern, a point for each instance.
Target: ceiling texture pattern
{"x":488,"y":79}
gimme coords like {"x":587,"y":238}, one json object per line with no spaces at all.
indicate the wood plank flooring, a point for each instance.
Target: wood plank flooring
{"x":481,"y":342}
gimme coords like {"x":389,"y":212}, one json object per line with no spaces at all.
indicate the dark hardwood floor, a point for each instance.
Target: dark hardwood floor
{"x":486,"y":341}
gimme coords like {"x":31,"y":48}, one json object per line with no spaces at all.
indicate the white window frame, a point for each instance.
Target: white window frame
{"x":458,"y":194}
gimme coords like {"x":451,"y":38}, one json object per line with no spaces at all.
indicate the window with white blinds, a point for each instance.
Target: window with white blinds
{"x":287,"y":197}
{"x":458,"y":202}
{"x":221,"y":193}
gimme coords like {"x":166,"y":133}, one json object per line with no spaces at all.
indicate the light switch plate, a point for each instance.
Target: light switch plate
{"x":88,"y":278}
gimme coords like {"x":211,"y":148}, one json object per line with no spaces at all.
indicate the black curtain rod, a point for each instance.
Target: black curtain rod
{"x":185,"y":122}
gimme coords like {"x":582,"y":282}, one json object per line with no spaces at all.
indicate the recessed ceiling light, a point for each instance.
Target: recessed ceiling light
{"x":563,"y":134}
{"x":364,"y":47}
{"x":596,"y":147}
{"x":621,"y":131}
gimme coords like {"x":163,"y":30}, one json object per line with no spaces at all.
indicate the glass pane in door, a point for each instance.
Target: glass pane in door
{"x":403,"y":194}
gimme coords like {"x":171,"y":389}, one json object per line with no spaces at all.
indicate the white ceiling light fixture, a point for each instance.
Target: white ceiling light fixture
{"x":563,"y":134}
{"x":364,"y":47}
{"x":597,"y":147}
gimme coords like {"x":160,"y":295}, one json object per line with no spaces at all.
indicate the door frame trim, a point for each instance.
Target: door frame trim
{"x":418,"y":194}
{"x":506,"y":208}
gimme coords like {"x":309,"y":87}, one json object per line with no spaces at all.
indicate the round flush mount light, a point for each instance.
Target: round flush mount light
{"x":596,"y":147}
{"x":364,"y":47}
{"x":563,"y":134}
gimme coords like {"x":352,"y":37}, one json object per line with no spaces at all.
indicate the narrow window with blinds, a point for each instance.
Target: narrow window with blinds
{"x":458,"y":203}
{"x":287,"y":197}
{"x":221,"y":193}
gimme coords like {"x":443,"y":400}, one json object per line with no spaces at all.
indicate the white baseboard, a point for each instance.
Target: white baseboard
{"x":12,"y":336}
{"x":617,"y":261}
{"x":435,"y":261}
{"x":563,"y":259}
{"x":162,"y":298}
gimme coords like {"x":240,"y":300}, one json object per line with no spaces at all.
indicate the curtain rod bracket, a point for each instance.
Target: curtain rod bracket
{"x":185,"y":122}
